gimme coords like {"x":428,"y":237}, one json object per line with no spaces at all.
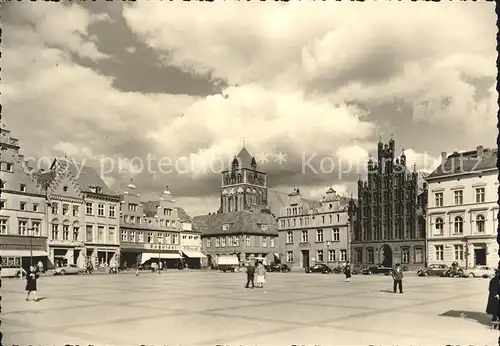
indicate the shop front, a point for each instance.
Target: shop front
{"x":103,"y":256}
{"x":135,"y":254}
{"x":23,"y":251}
{"x":193,"y":257}
{"x":63,"y":253}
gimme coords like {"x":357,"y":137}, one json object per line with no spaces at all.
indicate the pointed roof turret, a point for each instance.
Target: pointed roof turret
{"x":167,"y":191}
{"x":131,"y":185}
{"x":244,"y":158}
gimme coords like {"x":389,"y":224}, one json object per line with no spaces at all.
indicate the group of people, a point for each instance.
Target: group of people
{"x":260,"y":270}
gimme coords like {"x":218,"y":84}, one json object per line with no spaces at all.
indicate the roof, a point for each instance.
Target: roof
{"x":276,"y":200}
{"x":150,"y":208}
{"x":182,"y":215}
{"x":241,"y":222}
{"x":244,"y":158}
{"x":466,"y":162}
{"x":44,"y":178}
{"x":87,"y":177}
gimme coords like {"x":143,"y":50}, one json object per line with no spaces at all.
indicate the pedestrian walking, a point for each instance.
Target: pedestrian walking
{"x":161,"y":266}
{"x":261,"y":275}
{"x":347,"y":272}
{"x":40,"y":267}
{"x":250,"y":275}
{"x":397,"y":276}
{"x":492,"y":308}
{"x":31,"y":279}
{"x":136,"y":270}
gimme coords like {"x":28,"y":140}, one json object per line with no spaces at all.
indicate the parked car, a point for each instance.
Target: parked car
{"x":69,"y":269}
{"x":433,"y":270}
{"x":454,"y":272}
{"x":379,"y":269}
{"x":319,"y":268}
{"x":479,"y":272}
{"x":283,"y":268}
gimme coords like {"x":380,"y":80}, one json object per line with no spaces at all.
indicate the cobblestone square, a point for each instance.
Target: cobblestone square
{"x":208,"y":308}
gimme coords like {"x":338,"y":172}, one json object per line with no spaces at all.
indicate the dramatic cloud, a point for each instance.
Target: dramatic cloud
{"x":304,"y":85}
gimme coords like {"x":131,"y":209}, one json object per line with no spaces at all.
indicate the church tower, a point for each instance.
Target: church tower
{"x":243,"y":186}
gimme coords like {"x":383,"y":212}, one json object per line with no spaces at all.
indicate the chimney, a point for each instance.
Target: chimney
{"x":443,"y":157}
{"x":480,"y":151}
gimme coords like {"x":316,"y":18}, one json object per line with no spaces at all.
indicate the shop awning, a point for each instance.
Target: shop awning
{"x":146,"y":256}
{"x":22,"y":253}
{"x":194,"y":254}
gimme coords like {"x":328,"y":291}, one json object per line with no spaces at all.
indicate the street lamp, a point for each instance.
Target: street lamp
{"x":30,"y":234}
{"x":160,"y":242}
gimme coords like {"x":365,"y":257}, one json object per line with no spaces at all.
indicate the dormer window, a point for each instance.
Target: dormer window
{"x":8,"y":167}
{"x":98,"y":189}
{"x":265,"y":227}
{"x":225,"y":227}
{"x":23,"y":188}
{"x":65,"y":189}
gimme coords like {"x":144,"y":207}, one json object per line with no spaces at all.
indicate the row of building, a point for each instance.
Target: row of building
{"x":67,"y":214}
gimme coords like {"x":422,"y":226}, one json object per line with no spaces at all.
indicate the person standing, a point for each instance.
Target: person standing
{"x":40,"y":267}
{"x":261,"y":275}
{"x":397,"y":276}
{"x":347,"y":271}
{"x":250,"y":275}
{"x":31,"y":279}
{"x":492,"y":308}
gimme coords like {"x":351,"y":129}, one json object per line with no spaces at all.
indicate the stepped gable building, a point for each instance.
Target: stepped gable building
{"x":149,"y":230}
{"x":83,"y":215}
{"x":245,"y":223}
{"x":312,"y":232}
{"x":462,"y":215}
{"x":23,"y":227}
{"x":389,"y":221}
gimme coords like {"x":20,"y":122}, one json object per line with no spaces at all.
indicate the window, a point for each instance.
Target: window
{"x":335,"y":234}
{"x":264,"y":227}
{"x":2,"y":204}
{"x":370,"y":256}
{"x":438,"y":226}
{"x":480,"y":223}
{"x":289,"y":256}
{"x":236,"y":240}
{"x":458,"y":197}
{"x":480,"y":195}
{"x":289,"y":237}
{"x":264,"y":242}
{"x":225,"y":227}
{"x":359,"y":255}
{"x":159,"y":238}
{"x":55,"y":231}
{"x":112,"y":212}
{"x":22,"y":205}
{"x":124,"y":236}
{"x":459,"y":252}
{"x":89,"y":233}
{"x":36,"y":207}
{"x":100,"y":210}
{"x":9,"y":167}
{"x":65,"y":232}
{"x":3,"y":226}
{"x":229,"y":241}
{"x":338,"y":218}
{"x":150,"y":237}
{"x":439,"y":252}
{"x":65,"y":209}
{"x":458,"y":225}
{"x":319,"y":256}
{"x":23,"y":227}
{"x":111,"y":231}
{"x":272,"y":242}
{"x":305,"y":237}
{"x":319,"y":236}
{"x":331,"y":218}
{"x":175,"y":239}
{"x":208,"y":242}
{"x":438,"y":199}
{"x":65,"y":189}
{"x":76,"y":233}
{"x":223,"y":242}
{"x":217,"y":242}
{"x":36,"y":227}
{"x":76,"y":210}
{"x":133,"y":236}
{"x":323,"y":219}
{"x":331,"y":256}
{"x":405,"y":255}
{"x":419,"y":255}
{"x":140,"y":237}
{"x":23,"y":188}
{"x":100,"y":234}
{"x":248,"y":241}
{"x":89,"y":208}
{"x":132,"y":207}
{"x":343,"y":255}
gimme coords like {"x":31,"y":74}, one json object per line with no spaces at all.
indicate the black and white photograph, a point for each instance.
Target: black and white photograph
{"x":249,"y":173}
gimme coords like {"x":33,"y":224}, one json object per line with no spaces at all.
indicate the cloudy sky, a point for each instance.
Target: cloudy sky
{"x":167,"y":92}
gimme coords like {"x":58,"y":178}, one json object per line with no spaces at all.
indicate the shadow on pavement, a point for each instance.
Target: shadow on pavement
{"x":479,"y":317}
{"x":386,"y":291}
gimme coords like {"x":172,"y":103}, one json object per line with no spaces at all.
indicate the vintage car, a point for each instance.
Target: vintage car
{"x":319,"y":268}
{"x":479,"y":272}
{"x":70,"y":269}
{"x":433,"y":270}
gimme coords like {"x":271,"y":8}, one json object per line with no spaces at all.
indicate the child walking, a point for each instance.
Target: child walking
{"x":31,"y":279}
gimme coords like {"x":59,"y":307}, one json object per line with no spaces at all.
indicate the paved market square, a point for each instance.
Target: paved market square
{"x":209,"y":308}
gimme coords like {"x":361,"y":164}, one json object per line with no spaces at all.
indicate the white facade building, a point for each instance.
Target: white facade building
{"x":462,"y":209}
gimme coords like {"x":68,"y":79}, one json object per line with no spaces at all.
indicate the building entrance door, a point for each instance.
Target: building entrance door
{"x":386,"y":256}
{"x":480,"y":256}
{"x":305,"y":258}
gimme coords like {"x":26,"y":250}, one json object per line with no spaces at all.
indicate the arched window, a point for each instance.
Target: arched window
{"x":459,"y":224}
{"x":438,"y":225}
{"x":480,"y":223}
